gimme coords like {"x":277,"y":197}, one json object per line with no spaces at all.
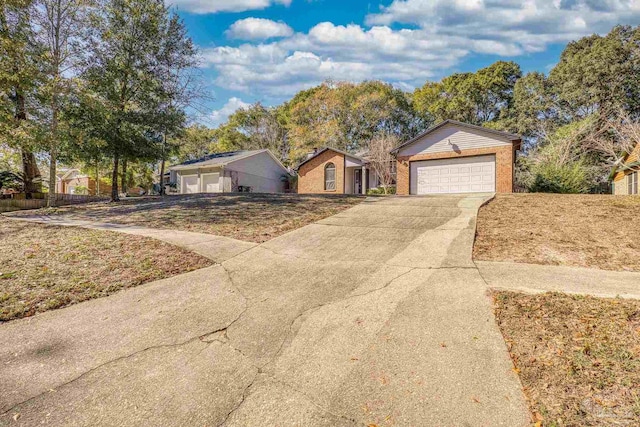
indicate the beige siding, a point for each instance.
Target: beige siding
{"x":621,"y":186}
{"x":260,"y":172}
{"x":461,"y":139}
{"x":348,"y":180}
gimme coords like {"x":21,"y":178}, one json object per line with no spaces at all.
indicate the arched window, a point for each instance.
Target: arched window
{"x":329,"y":177}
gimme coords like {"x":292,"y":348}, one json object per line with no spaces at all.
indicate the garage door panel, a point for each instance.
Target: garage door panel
{"x":211,"y":183}
{"x":461,"y":175}
{"x":190,"y":184}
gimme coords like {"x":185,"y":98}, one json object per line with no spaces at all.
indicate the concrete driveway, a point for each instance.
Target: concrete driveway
{"x":375,"y":316}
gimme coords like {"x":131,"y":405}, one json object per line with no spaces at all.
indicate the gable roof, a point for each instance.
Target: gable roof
{"x":222,"y":159}
{"x":510,"y":136}
{"x":623,"y":166}
{"x":322,"y":150}
{"x":66,"y":174}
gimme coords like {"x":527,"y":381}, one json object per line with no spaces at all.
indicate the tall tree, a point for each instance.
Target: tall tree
{"x":347,"y":116}
{"x":61,"y":25}
{"x":600,"y":74}
{"x":195,"y":142}
{"x":19,"y":77}
{"x":122,"y":85}
{"x":477,"y":98}
{"x":535,"y":105}
{"x":255,"y":127}
{"x":178,"y":57}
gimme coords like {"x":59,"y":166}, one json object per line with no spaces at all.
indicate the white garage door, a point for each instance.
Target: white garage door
{"x":462,"y":175}
{"x":190,"y":184}
{"x":211,"y":182}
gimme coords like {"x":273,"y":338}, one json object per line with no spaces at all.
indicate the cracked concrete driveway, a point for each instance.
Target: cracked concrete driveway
{"x":375,"y":316}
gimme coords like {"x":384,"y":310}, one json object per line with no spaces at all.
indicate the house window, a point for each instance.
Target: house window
{"x":330,"y":177}
{"x":632,"y":182}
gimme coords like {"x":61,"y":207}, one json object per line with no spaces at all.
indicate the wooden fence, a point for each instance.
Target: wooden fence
{"x":15,"y":204}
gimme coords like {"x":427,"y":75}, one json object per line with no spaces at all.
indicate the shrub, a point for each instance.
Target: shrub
{"x":568,"y":178}
{"x":380,"y":191}
{"x":81,"y":189}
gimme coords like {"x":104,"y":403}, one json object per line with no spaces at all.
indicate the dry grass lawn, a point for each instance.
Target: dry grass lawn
{"x":596,"y":231}
{"x":578,"y":357}
{"x":249,"y":217}
{"x":45,"y":267}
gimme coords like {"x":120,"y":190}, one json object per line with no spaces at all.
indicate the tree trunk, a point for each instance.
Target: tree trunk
{"x":97,"y":178}
{"x":51,"y":200}
{"x":164,"y":144}
{"x":124,"y":176}
{"x":114,"y":180}
{"x":30,"y":172}
{"x":53,"y":153}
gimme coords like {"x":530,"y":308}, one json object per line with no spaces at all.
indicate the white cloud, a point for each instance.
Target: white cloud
{"x":528,"y":24}
{"x":214,"y":6}
{"x":280,"y":68}
{"x":258,"y":29}
{"x":443,"y":33}
{"x":220,"y":116}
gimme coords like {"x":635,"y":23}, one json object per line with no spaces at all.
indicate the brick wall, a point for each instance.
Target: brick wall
{"x":90,"y":183}
{"x":505,"y":156}
{"x":311,"y":174}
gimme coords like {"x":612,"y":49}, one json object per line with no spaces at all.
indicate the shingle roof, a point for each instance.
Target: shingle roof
{"x":217,"y":159}
{"x":322,"y":150}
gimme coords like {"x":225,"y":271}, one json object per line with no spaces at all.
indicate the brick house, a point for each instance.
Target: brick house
{"x":626,"y":179}
{"x":331,"y":171}
{"x":451,"y":157}
{"x":72,"y":181}
{"x":456,"y":157}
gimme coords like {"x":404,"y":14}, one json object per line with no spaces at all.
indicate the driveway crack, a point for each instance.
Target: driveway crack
{"x":319,"y":306}
{"x":201,"y":337}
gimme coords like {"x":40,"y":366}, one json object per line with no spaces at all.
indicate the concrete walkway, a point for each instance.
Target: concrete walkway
{"x":571,"y":280}
{"x":216,"y":248}
{"x":374,"y":316}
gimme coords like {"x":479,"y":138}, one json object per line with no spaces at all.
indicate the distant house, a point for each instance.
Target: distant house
{"x":257,"y":171}
{"x":626,"y":178}
{"x":331,"y":171}
{"x":73,"y":181}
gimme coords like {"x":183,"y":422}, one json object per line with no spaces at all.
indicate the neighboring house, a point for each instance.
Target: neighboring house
{"x":72,"y":181}
{"x":626,"y":179}
{"x":455,"y":157}
{"x":257,"y":171}
{"x":332,"y":171}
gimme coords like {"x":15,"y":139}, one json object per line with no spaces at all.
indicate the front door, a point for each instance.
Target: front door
{"x":357,"y":181}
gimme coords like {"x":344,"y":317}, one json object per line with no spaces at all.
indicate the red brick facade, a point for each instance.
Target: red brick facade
{"x":311,"y":174}
{"x":505,"y":157}
{"x":89,"y":183}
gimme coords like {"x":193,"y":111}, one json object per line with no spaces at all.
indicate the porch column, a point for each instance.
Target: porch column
{"x":363,"y":179}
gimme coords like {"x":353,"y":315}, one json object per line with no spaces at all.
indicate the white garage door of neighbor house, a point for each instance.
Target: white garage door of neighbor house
{"x":462,"y":175}
{"x":190,"y":184}
{"x":211,"y":182}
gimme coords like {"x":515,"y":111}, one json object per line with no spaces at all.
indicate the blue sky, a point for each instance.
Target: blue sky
{"x":267,"y":50}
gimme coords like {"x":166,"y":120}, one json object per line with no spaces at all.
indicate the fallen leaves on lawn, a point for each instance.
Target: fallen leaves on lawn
{"x":584,"y":230}
{"x":577,"y":356}
{"x":49,"y":267}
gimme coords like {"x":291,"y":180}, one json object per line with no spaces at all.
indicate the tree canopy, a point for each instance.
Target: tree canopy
{"x":97,"y":81}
